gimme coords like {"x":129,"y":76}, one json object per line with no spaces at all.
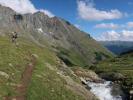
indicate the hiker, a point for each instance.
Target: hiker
{"x":14,"y":37}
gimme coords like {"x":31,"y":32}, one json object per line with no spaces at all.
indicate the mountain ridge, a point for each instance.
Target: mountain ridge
{"x":55,"y":31}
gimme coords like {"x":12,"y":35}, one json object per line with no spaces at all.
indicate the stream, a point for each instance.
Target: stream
{"x":103,"y":90}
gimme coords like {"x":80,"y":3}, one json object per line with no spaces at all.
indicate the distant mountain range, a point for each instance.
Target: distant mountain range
{"x":118,"y":47}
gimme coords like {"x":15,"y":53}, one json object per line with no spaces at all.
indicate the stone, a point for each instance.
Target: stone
{"x":4,"y":74}
{"x":88,"y":75}
{"x":131,"y":92}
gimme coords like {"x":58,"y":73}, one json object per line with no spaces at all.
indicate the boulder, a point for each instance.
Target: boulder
{"x":87,"y":75}
{"x":112,"y":76}
{"x":131,"y":94}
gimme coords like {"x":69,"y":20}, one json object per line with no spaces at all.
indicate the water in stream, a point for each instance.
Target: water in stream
{"x":103,"y":90}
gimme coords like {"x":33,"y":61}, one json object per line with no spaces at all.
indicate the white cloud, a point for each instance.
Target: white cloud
{"x":127,"y":34}
{"x":22,"y":6}
{"x":113,"y":26}
{"x":107,"y":26}
{"x":130,"y":24}
{"x":76,"y":25}
{"x":109,"y":35}
{"x":124,"y":35}
{"x":87,"y":11}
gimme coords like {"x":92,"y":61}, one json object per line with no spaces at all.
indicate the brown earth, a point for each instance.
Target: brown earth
{"x":25,"y":80}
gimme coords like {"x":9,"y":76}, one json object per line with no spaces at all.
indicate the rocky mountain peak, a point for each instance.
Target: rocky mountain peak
{"x":38,"y":27}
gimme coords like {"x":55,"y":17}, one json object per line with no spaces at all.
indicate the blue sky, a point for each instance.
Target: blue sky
{"x":103,"y":19}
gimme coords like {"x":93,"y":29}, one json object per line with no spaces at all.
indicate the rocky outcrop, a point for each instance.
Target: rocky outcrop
{"x":87,"y":75}
{"x":5,"y":75}
{"x":113,"y":76}
{"x":79,"y":89}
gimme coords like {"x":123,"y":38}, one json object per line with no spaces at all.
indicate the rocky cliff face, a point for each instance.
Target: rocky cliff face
{"x":57,"y":32}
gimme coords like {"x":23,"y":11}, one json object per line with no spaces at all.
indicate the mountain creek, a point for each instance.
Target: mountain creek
{"x":105,"y":90}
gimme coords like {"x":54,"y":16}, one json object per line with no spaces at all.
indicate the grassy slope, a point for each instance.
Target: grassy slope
{"x":71,"y":58}
{"x":45,"y":84}
{"x":81,"y":49}
{"x":92,"y":51}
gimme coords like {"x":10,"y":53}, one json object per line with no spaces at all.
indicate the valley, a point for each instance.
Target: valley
{"x":118,"y":70}
{"x":51,"y":59}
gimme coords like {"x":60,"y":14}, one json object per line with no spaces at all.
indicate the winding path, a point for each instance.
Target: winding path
{"x":25,"y":80}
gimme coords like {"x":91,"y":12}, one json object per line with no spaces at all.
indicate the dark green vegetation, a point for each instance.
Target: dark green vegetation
{"x":45,"y":83}
{"x":119,"y":69}
{"x":117,"y":47}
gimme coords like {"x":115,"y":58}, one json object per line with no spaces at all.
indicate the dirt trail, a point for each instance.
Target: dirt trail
{"x":25,"y":80}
